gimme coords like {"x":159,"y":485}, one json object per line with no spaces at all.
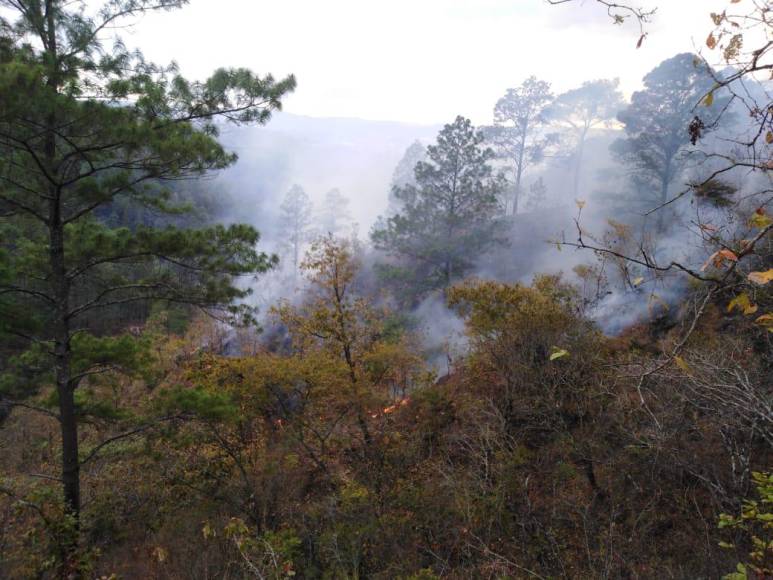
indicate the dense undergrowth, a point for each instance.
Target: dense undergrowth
{"x":336,"y":453}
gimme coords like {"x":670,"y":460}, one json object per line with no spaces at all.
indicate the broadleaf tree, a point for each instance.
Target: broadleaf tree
{"x":84,"y":126}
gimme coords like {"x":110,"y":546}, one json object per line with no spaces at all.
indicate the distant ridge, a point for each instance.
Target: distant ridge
{"x":357,"y":156}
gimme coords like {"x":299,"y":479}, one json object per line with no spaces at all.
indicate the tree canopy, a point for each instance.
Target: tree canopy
{"x":657,"y":142}
{"x":594,"y":104}
{"x":518,"y":131}
{"x":295,"y":220}
{"x":449,"y":217}
{"x":510,"y":409}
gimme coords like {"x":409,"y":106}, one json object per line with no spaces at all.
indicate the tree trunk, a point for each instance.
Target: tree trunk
{"x":664,"y":181}
{"x":61,"y":291}
{"x":70,"y":465}
{"x":295,"y":264}
{"x":65,"y":388}
{"x":518,"y":175}
{"x":62,"y":357}
{"x":578,"y":163}
{"x":519,"y":164}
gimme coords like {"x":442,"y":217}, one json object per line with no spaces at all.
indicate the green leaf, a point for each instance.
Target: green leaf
{"x":216,"y":406}
{"x":558,"y":353}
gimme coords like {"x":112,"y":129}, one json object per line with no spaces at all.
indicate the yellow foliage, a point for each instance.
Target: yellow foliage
{"x":766,"y":320}
{"x":514,"y":328}
{"x":743,"y":303}
{"x":682,"y":364}
{"x":558,"y":353}
{"x":761,"y":278}
{"x":759,"y":218}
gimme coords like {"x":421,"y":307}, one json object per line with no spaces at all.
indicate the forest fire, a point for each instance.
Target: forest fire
{"x":520,"y":326}
{"x":392,"y":408}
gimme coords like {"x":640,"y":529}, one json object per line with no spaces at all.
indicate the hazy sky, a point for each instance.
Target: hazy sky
{"x":421,"y":61}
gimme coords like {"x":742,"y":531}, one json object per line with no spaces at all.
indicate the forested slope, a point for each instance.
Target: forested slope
{"x":543,"y":350}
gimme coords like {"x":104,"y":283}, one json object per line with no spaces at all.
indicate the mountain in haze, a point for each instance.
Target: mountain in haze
{"x":355,"y":155}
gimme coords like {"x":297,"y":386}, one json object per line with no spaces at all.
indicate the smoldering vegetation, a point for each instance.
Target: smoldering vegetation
{"x":586,"y":164}
{"x":535,"y":346}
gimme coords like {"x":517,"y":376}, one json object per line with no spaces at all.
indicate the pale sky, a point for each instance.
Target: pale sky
{"x":418,"y":61}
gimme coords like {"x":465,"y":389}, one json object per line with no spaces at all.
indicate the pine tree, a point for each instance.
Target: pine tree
{"x":404,"y":173}
{"x":448,"y":218}
{"x":335,"y":215}
{"x":83,"y":128}
{"x":295,"y":221}
{"x":594,"y":104}
{"x":538,"y":193}
{"x":656,"y":146}
{"x":518,"y":132}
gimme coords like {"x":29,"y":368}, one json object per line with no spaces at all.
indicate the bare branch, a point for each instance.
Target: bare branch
{"x":619,"y":13}
{"x":141,"y":429}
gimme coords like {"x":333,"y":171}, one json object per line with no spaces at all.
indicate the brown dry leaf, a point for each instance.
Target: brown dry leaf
{"x":708,"y":263}
{"x":733,"y":47}
{"x":711,"y":41}
{"x":717,"y":259}
{"x":728,"y":255}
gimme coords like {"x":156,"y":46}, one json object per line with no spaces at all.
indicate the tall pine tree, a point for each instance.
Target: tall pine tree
{"x":295,"y":221}
{"x":448,"y":218}
{"x":518,"y":131}
{"x":579,"y":111}
{"x":657,"y":143}
{"x":84,"y":127}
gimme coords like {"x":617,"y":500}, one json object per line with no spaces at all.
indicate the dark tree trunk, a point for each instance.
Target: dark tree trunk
{"x":70,"y":465}
{"x":62,"y":361}
{"x":65,"y":386}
